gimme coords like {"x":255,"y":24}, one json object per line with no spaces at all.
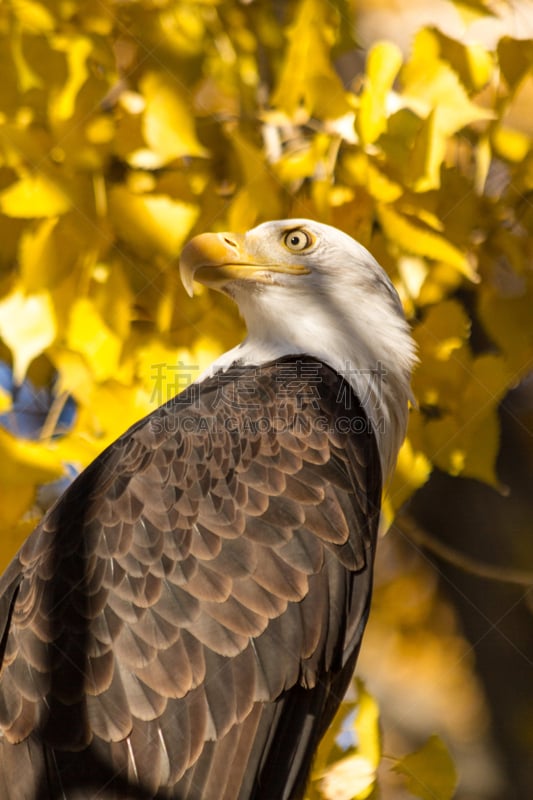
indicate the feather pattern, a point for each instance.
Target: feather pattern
{"x":192,"y":600}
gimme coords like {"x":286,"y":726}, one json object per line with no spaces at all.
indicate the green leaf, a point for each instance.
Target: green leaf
{"x":429,"y":772}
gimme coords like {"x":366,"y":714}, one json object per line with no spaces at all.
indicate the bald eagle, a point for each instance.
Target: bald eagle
{"x":185,"y":620}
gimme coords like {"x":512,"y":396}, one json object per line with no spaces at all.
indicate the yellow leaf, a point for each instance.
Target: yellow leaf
{"x":308,"y":85}
{"x":168,"y":121}
{"x":100,"y":129}
{"x":77,"y":50}
{"x":74,"y":375}
{"x":6,"y":400}
{"x":24,"y":463}
{"x":34,"y":196}
{"x":428,"y":154}
{"x":413,"y":271}
{"x":41,"y":261}
{"x":429,"y":83}
{"x":151,"y":224}
{"x":349,"y":778}
{"x":440,"y":282}
{"x":480,"y":447}
{"x":510,"y":144}
{"x":27,"y":77}
{"x":463,"y":438}
{"x":423,"y":241}
{"x":429,"y":772}
{"x":509,"y":322}
{"x":472,"y":62}
{"x":165,"y":371}
{"x":366,"y":725}
{"x":480,"y":64}
{"x":113,"y":407}
{"x":89,"y":335}
{"x":472,"y":10}
{"x":383,"y":65}
{"x":443,"y":353}
{"x":259,"y":197}
{"x":33,"y":16}
{"x":27,"y":326}
{"x":515,"y":59}
{"x":461,"y":432}
{"x":306,"y":161}
{"x":413,"y":468}
{"x":18,"y":519}
{"x":367,"y":173}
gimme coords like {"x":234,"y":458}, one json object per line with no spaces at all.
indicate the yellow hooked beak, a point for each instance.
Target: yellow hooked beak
{"x":215,"y":259}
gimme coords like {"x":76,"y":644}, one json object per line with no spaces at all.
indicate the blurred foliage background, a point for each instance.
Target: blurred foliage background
{"x":128,"y":126}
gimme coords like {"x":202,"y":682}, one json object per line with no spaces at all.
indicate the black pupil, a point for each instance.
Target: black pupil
{"x":295,"y":239}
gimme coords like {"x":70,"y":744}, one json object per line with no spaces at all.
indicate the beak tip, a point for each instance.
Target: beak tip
{"x":187,"y":277}
{"x":189,"y":288}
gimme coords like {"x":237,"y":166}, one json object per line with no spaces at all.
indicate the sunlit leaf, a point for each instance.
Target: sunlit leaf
{"x":432,"y":84}
{"x":429,"y":772}
{"x":308,"y":83}
{"x":366,"y":172}
{"x":34,"y":16}
{"x":349,"y":778}
{"x":151,"y":223}
{"x":384,"y":62}
{"x":23,"y":466}
{"x":89,"y":335}
{"x":510,"y":144}
{"x":509,"y":322}
{"x":27,"y":77}
{"x":27,"y":326}
{"x":366,"y":726}
{"x":428,"y":154}
{"x":35,"y":195}
{"x":168,"y":122}
{"x":77,"y":51}
{"x":42,"y":259}
{"x":472,"y":9}
{"x":421,"y":240}
{"x":258,"y":199}
{"x":412,"y":471}
{"x":24,"y":462}
{"x":473,"y":62}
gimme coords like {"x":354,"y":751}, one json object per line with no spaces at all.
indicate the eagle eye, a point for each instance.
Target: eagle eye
{"x":298,"y":240}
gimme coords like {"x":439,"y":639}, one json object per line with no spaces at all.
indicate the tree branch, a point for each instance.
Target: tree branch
{"x":407,"y":526}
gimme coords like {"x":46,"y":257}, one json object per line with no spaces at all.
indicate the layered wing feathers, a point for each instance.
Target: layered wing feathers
{"x":214,"y":560}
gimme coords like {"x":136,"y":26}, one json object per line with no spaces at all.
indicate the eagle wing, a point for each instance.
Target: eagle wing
{"x":185,"y":620}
